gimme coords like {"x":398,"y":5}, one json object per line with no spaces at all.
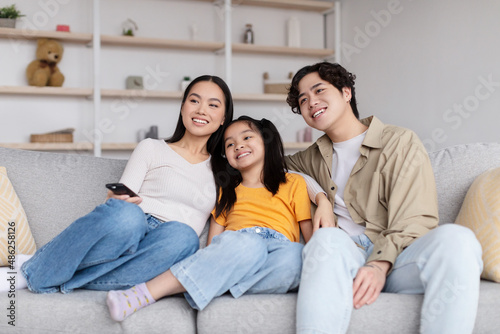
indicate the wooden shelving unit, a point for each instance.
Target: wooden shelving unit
{"x":146,"y":42}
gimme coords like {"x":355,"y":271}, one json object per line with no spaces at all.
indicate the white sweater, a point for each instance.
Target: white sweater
{"x":171,"y":188}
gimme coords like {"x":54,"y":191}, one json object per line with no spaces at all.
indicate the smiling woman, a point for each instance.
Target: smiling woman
{"x":133,"y":239}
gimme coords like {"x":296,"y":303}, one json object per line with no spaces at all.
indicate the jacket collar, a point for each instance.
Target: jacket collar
{"x":372,"y":139}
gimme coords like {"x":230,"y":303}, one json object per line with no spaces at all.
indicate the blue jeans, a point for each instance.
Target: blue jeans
{"x":444,"y":265}
{"x":116,"y":246}
{"x":252,"y":260}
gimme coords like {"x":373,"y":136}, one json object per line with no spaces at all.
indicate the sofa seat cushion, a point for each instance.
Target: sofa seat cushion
{"x":85,"y":311}
{"x":15,"y":233}
{"x":481,"y":213}
{"x":391,"y":313}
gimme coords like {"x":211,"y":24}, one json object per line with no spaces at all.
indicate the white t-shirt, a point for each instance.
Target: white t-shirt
{"x":345,"y":155}
{"x":172,"y":189}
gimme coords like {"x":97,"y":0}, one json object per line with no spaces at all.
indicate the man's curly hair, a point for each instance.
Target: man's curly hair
{"x":333,"y":73}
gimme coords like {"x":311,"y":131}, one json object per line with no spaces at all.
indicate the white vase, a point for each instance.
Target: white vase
{"x":293,"y":32}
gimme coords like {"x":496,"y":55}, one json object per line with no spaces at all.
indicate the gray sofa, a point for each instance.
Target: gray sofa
{"x":55,"y":189}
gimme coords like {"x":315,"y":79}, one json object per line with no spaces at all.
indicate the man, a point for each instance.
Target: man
{"x":380,"y":220}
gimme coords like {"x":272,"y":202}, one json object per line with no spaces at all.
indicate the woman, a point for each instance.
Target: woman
{"x":129,"y":240}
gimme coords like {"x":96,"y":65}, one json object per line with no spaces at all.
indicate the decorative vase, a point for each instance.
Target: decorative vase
{"x":7,"y":23}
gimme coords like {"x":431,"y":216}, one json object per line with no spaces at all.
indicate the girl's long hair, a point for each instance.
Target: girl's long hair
{"x":273,"y":175}
{"x":214,"y":145}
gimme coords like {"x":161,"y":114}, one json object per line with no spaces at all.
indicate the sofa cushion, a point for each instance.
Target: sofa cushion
{"x":56,"y":189}
{"x":15,"y":233}
{"x":481,"y":213}
{"x":455,"y":168}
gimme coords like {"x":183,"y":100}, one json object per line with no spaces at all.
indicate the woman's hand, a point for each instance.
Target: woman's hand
{"x":323,"y":217}
{"x":369,"y":282}
{"x":134,"y":200}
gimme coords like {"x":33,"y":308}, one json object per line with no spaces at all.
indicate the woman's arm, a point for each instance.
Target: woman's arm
{"x":306,"y":229}
{"x":215,"y":229}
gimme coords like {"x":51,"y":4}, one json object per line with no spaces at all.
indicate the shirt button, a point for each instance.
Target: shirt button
{"x":257,"y":230}
{"x":333,"y":188}
{"x":379,"y":252}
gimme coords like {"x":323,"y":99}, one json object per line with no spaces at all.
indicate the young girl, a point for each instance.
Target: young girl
{"x":129,"y":240}
{"x":254,"y":232}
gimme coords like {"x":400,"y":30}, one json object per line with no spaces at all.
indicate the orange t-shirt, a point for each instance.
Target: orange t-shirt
{"x":281,"y":212}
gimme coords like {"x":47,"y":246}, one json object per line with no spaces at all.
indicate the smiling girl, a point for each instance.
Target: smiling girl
{"x":254,"y":230}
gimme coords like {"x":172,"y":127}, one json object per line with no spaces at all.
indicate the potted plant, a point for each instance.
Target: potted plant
{"x":8,"y":16}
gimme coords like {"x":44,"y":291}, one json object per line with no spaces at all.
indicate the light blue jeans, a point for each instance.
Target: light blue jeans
{"x":116,"y":246}
{"x":445,"y":265}
{"x":252,"y":260}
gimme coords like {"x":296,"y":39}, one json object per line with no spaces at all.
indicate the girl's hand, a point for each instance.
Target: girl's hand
{"x":323,"y":217}
{"x":134,"y":200}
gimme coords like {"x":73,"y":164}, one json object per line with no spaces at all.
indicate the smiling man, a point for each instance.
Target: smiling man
{"x":377,"y":229}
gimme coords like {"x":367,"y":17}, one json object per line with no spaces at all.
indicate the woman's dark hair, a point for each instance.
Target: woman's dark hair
{"x":333,"y":73}
{"x":274,"y":172}
{"x":214,"y":144}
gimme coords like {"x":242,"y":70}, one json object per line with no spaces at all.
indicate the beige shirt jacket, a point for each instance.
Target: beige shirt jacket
{"x":391,"y":189}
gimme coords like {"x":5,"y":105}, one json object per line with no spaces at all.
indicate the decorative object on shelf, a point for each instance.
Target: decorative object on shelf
{"x":153,"y":132}
{"x":60,"y":136}
{"x":44,"y":71}
{"x":134,"y":82}
{"x":62,"y":27}
{"x":293,"y":32}
{"x":193,"y":29}
{"x":141,"y":135}
{"x":128,"y":27}
{"x":185,"y":82}
{"x":8,"y":16}
{"x":248,"y":37}
{"x":276,"y":86}
{"x":304,"y":135}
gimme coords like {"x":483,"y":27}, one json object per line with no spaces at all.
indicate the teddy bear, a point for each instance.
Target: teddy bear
{"x":44,"y":71}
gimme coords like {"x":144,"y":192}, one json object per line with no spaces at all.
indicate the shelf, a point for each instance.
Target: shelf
{"x":309,"y":5}
{"x":160,"y":43}
{"x":35,"y":34}
{"x":165,"y":43}
{"x":281,"y":50}
{"x":259,"y":97}
{"x":87,"y":146}
{"x":46,"y":91}
{"x":158,"y":94}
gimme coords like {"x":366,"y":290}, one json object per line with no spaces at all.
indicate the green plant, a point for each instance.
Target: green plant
{"x":10,"y":12}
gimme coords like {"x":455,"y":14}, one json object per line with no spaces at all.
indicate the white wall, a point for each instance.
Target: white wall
{"x":432,"y":66}
{"x":155,"y":18}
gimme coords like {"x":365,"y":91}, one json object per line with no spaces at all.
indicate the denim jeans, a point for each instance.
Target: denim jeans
{"x":116,"y":246}
{"x":252,"y":260}
{"x":444,"y":265}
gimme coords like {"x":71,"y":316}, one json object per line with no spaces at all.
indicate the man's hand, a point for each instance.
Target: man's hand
{"x":323,"y":217}
{"x":369,"y":282}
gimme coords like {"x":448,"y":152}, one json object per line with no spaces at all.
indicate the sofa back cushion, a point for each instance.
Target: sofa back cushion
{"x":455,"y":168}
{"x":55,"y":189}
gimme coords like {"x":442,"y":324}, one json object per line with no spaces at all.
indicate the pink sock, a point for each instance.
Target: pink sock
{"x":122,"y":303}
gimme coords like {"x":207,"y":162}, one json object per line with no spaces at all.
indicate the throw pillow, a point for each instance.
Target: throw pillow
{"x":480,"y":212}
{"x":15,"y":233}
